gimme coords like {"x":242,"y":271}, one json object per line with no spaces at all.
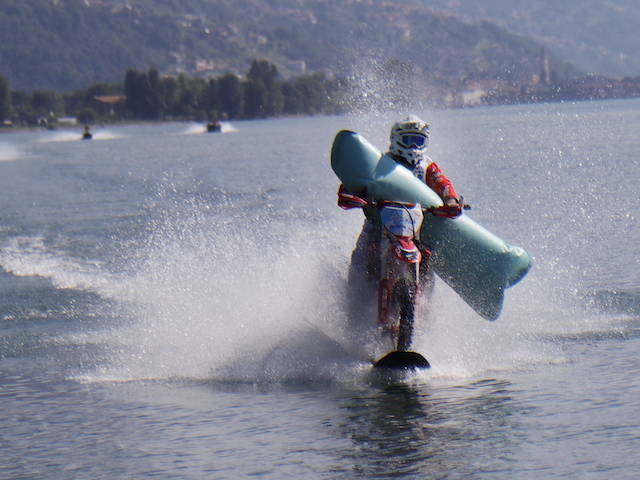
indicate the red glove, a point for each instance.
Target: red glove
{"x":449,"y":211}
{"x":452,"y":208}
{"x":347,"y":200}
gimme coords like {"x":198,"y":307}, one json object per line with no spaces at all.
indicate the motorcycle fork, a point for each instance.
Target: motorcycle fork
{"x":394,"y":270}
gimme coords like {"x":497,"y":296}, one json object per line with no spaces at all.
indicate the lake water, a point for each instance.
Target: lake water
{"x":172,"y":305}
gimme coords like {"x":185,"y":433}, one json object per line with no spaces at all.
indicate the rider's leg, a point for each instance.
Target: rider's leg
{"x":363,"y":276}
{"x":365,"y":259}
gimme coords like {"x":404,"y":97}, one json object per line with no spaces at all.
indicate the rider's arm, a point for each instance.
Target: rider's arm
{"x":439,"y":183}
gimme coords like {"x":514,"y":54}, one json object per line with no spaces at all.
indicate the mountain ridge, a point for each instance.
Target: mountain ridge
{"x":70,"y":44}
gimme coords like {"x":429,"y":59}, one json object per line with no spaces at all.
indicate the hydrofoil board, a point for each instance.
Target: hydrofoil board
{"x":401,"y":360}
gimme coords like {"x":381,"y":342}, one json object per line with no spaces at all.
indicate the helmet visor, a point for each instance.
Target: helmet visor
{"x":413,"y":140}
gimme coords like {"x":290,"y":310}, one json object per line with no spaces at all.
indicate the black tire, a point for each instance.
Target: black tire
{"x":405,"y":295}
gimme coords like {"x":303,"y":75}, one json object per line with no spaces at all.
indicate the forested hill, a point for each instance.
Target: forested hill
{"x":69,"y":44}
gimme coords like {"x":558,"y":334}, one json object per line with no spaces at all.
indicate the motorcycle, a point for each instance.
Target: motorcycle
{"x":400,"y":265}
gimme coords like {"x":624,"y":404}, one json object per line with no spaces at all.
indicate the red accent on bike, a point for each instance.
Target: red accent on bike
{"x":405,"y":242}
{"x":406,"y":250}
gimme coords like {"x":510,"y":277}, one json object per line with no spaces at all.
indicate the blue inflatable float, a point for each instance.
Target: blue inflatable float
{"x":477,"y":264}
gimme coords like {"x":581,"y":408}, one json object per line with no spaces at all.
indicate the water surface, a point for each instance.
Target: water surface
{"x":172,"y":305}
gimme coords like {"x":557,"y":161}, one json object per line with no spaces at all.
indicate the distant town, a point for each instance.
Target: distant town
{"x":496,"y":92}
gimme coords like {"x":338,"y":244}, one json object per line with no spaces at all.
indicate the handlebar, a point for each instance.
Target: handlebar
{"x":464,"y":206}
{"x":447,"y":211}
{"x":438,"y":211}
{"x":348,"y":201}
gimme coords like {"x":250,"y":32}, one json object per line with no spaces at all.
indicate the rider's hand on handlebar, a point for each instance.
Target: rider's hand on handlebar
{"x":452,"y":208}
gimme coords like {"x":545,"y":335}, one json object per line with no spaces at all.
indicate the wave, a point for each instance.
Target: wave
{"x":30,"y":256}
{"x":10,"y":153}
{"x":69,"y":136}
{"x":257,"y":299}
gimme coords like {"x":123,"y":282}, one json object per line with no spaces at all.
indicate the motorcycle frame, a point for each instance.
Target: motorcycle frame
{"x":396,"y":270}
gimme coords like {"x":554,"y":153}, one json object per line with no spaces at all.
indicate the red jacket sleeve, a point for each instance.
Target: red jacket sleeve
{"x":439,"y":183}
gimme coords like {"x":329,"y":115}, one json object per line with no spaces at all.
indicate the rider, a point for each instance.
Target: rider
{"x":409,"y":139}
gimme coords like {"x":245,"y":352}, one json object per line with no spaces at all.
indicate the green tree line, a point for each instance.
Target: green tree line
{"x":146,"y":95}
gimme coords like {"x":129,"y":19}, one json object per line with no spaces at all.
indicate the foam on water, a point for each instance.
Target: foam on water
{"x":215,"y":302}
{"x":253,"y":299}
{"x":72,"y":136}
{"x":211,"y":298}
{"x":9,"y":152}
{"x":105,"y":134}
{"x":60,"y":136}
{"x":30,"y":256}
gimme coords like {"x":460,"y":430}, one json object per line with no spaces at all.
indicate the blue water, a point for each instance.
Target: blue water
{"x":172,"y":305}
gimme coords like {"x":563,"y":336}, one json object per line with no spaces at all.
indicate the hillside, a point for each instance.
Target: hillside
{"x":70,"y":44}
{"x":597,"y":36}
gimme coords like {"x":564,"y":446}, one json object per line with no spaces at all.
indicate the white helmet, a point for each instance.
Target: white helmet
{"x":409,"y":139}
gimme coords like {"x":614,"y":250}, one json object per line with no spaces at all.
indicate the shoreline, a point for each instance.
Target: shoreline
{"x":436,"y":105}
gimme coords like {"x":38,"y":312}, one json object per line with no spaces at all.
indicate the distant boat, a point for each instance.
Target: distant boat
{"x":214,"y":126}
{"x":87,"y":134}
